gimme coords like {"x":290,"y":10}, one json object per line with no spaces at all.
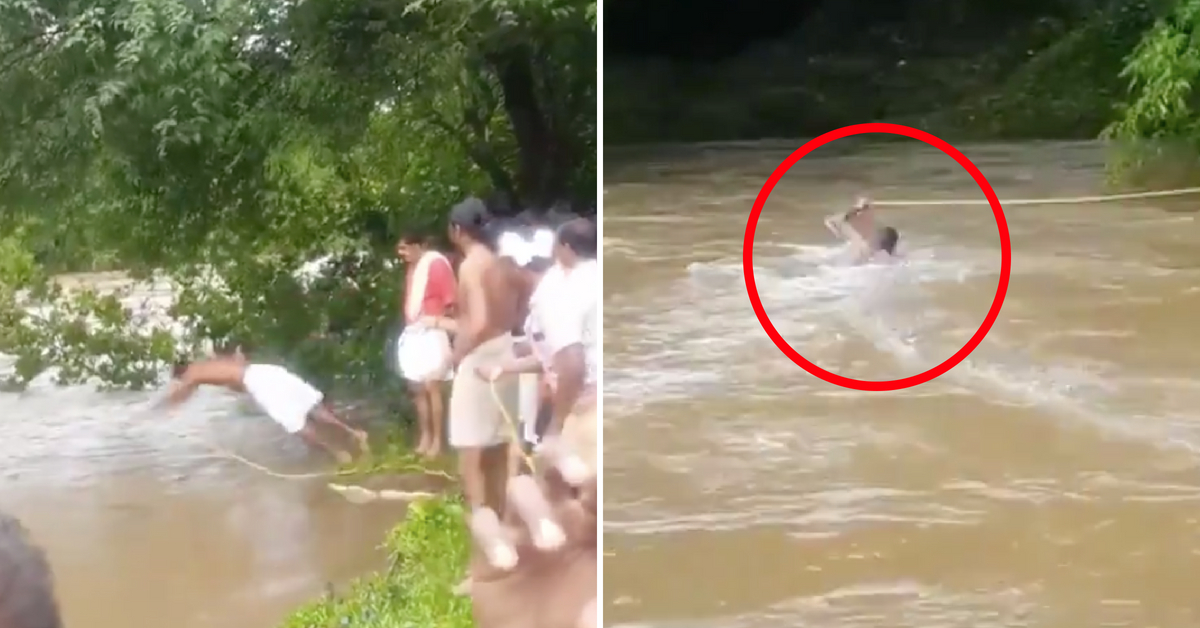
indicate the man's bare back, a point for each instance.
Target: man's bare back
{"x":224,"y":371}
{"x":489,"y":296}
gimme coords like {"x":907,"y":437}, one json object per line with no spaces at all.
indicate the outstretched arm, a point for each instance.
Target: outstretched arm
{"x":180,"y":391}
{"x":836,"y":224}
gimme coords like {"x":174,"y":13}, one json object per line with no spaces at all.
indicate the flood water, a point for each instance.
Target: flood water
{"x":146,"y":523}
{"x":1050,"y":480}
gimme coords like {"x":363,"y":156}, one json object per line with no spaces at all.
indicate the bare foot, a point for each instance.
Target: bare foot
{"x":433,"y":451}
{"x":344,"y":457}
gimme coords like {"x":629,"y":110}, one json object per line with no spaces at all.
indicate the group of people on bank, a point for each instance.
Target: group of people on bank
{"x":514,"y":331}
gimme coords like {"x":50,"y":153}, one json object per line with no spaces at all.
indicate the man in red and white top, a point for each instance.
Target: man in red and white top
{"x":423,"y":349}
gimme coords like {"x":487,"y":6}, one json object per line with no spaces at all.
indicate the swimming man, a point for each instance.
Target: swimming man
{"x":869,"y":241}
{"x":292,"y":402}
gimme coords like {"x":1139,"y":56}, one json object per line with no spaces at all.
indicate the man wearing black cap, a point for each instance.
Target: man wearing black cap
{"x":488,"y":309}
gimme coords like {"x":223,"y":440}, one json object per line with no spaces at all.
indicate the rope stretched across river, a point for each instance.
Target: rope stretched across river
{"x":1075,"y":200}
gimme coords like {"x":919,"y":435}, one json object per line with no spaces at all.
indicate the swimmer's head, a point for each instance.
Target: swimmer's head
{"x":888,"y":238}
{"x":27,"y":597}
{"x":468,"y":223}
{"x":576,"y":241}
{"x":411,"y":246}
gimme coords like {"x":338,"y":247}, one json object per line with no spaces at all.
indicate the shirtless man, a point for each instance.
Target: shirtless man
{"x":289,"y":400}
{"x":488,"y":309}
{"x":858,"y":228}
{"x":563,"y":328}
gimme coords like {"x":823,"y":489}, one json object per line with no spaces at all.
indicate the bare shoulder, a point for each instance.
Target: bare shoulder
{"x":472,"y":265}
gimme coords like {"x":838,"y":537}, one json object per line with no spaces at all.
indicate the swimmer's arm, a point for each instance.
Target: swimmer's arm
{"x":836,"y":225}
{"x":840,"y":227}
{"x":180,"y":390}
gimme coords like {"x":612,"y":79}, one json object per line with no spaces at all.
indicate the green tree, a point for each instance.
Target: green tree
{"x":221,"y":145}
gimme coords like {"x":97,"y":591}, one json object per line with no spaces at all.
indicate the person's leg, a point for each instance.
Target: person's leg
{"x":437,"y":418}
{"x":465,"y":437}
{"x":420,"y":399}
{"x":470,"y":472}
{"x":323,"y":414}
{"x":495,"y":472}
{"x":309,"y":434}
{"x":495,"y":459}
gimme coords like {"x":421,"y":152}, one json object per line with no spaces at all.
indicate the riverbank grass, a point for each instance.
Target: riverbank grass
{"x":427,"y":557}
{"x":392,"y":454}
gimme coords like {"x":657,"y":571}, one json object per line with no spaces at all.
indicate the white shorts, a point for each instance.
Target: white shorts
{"x":285,"y":398}
{"x":475,"y":419}
{"x":421,"y":351}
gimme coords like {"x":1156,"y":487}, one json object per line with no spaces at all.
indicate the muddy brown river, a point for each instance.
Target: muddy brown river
{"x":146,"y":525}
{"x":1050,"y":480}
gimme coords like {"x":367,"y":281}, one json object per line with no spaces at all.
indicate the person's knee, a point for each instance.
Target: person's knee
{"x":27,"y":597}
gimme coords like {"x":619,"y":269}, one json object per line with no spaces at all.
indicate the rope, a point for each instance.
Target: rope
{"x":514,"y":431}
{"x":222,"y":452}
{"x":1107,"y":198}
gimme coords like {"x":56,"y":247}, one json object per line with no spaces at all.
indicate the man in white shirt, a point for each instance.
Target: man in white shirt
{"x":568,"y":305}
{"x":530,"y":246}
{"x":563,"y":325}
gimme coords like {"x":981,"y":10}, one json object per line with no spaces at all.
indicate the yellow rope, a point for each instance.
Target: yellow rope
{"x":514,"y":430}
{"x":227,"y":454}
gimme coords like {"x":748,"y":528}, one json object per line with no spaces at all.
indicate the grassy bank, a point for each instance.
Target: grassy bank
{"x":427,"y":557}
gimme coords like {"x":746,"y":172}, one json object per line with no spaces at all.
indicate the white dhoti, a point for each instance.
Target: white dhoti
{"x":282,"y":395}
{"x":420,"y":353}
{"x":475,"y":418}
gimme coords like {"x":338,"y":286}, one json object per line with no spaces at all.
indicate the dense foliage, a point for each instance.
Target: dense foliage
{"x":222,"y":145}
{"x":1055,"y":69}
